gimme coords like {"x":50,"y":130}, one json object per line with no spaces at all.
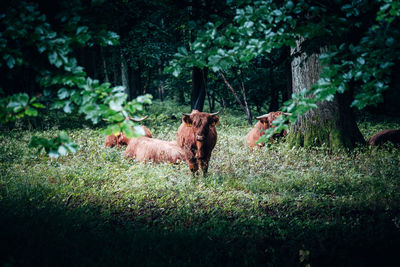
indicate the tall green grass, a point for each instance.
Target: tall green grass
{"x":278,"y":206}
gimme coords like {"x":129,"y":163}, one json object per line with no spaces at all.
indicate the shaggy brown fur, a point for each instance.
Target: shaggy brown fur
{"x":385,"y":136}
{"x":121,"y":139}
{"x":197,"y":136}
{"x":156,"y":150}
{"x":265,"y":122}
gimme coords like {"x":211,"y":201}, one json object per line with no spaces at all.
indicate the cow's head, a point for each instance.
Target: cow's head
{"x":267,"y":119}
{"x":201,"y":123}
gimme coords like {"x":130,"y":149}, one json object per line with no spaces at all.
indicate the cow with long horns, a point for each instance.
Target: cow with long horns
{"x":265,"y":122}
{"x":120,"y":139}
{"x":197,"y":136}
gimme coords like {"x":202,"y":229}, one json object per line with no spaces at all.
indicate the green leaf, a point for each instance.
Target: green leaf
{"x":81,"y":29}
{"x":62,"y":151}
{"x":31,"y":111}
{"x":118,"y":117}
{"x":52,"y":57}
{"x":68,"y":107}
{"x":63,"y":93}
{"x":139,"y":131}
{"x":38,"y":105}
{"x":112,"y":129}
{"x":127,"y":129}
{"x":360,"y":61}
{"x":115,"y":105}
{"x":10,"y":62}
{"x":15,"y":106}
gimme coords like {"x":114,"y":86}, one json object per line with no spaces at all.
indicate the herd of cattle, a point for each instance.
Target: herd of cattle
{"x":197,"y":136}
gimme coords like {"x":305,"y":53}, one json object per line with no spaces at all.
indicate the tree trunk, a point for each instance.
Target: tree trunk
{"x":115,"y":67}
{"x":211,"y":103}
{"x":332,"y":123}
{"x":161,"y":84}
{"x":93,"y":62}
{"x":181,"y":96}
{"x":146,"y":87}
{"x":286,"y":94}
{"x":273,"y":104}
{"x":199,"y":80}
{"x":136,"y":80}
{"x":124,"y":75}
{"x":106,"y":79}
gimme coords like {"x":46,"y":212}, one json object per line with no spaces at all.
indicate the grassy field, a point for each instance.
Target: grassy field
{"x":279,"y":206}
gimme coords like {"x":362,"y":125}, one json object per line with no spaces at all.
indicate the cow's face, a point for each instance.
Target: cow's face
{"x":201,"y":123}
{"x":265,"y":122}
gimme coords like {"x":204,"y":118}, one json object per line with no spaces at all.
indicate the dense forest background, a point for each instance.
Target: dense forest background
{"x":251,"y":56}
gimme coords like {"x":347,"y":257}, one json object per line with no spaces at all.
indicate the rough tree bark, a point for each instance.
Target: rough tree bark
{"x":198,"y":96}
{"x":332,"y":123}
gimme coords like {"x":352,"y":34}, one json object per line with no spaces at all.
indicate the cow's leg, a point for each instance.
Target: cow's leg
{"x":204,"y":165}
{"x":193,"y":165}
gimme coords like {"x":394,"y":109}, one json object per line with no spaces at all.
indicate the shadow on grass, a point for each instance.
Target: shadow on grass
{"x":36,"y":231}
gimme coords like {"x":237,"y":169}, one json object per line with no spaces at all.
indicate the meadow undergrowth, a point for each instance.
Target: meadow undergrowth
{"x":266,"y":207}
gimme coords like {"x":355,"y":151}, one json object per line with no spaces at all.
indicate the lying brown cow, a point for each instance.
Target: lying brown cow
{"x":156,"y":150}
{"x":265,"y":122}
{"x":197,"y":136}
{"x":120,"y":139}
{"x":385,"y":136}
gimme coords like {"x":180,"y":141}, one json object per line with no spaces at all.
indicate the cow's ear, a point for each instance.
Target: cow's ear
{"x":215,"y":120}
{"x":187,"y":120}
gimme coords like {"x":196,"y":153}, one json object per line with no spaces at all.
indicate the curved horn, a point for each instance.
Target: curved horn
{"x":262,"y":116}
{"x":287,"y":114}
{"x":186,"y":114}
{"x":215,"y":113}
{"x":137,"y":120}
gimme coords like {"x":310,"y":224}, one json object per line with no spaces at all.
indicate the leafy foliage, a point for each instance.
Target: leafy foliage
{"x":58,"y":146}
{"x":18,"y":106}
{"x":361,"y":39}
{"x":27,"y":32}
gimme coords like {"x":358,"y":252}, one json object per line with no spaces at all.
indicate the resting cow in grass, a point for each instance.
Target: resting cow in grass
{"x":265,"y":122}
{"x":156,"y":150}
{"x":385,"y":136}
{"x":120,"y":139}
{"x":197,"y":136}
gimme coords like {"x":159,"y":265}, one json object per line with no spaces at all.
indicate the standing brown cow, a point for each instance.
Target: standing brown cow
{"x":197,"y":136}
{"x":149,"y":149}
{"x":385,"y":136}
{"x":265,"y":122}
